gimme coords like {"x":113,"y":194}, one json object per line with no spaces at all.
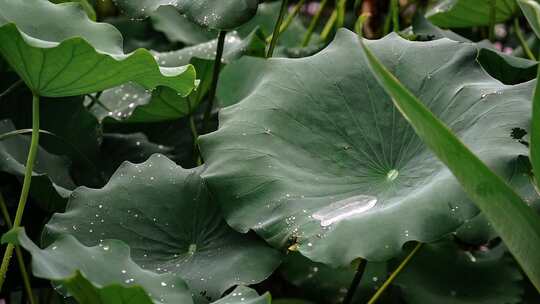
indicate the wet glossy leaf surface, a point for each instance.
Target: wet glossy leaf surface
{"x":221,"y":15}
{"x":328,"y":175}
{"x":166,"y":216}
{"x":106,"y":264}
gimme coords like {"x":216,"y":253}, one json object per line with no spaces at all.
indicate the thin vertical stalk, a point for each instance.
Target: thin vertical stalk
{"x":492,"y":19}
{"x":355,"y":282}
{"x":524,"y":45}
{"x":18,"y":253}
{"x":387,"y":23}
{"x":359,"y":24}
{"x":290,"y":17}
{"x":277,"y":27}
{"x":394,"y":274}
{"x":194,"y":133}
{"x":26,"y":184}
{"x":215,"y":79}
{"x":313,"y":23}
{"x":395,"y":15}
{"x":340,"y":9}
{"x":329,"y":26}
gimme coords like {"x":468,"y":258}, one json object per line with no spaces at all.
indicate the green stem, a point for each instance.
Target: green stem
{"x":394,"y":274}
{"x":395,"y":15}
{"x":359,"y":24}
{"x":524,"y":45}
{"x":492,"y":19}
{"x":329,"y":26}
{"x":277,"y":27}
{"x":18,"y":253}
{"x":340,"y":9}
{"x":313,"y":23}
{"x":194,"y":133}
{"x":215,"y":79}
{"x":26,"y":184}
{"x":285,"y":25}
{"x":11,"y":88}
{"x":355,"y":282}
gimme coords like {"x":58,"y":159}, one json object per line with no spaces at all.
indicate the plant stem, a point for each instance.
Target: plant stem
{"x":277,"y":28}
{"x":340,"y":9}
{"x":395,"y":15}
{"x":524,"y":45}
{"x":18,"y":253}
{"x":492,"y":19}
{"x":359,"y":24}
{"x":313,"y":23}
{"x":11,"y":88}
{"x":285,"y":25}
{"x":194,"y":133}
{"x":328,"y":26}
{"x":355,"y":282}
{"x":215,"y":79}
{"x":26,"y":184}
{"x":394,"y":274}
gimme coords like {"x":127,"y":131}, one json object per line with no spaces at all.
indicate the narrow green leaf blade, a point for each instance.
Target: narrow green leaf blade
{"x":535,"y":135}
{"x":516,"y":223}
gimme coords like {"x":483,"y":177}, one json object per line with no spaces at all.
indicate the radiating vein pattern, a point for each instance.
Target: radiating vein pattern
{"x":315,"y":153}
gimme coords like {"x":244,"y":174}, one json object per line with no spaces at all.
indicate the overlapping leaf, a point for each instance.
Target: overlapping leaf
{"x":57,"y":60}
{"x":100,"y":274}
{"x":165,"y":214}
{"x":179,"y":28}
{"x":466,"y":13}
{"x":52,"y":182}
{"x":244,"y":295}
{"x":315,"y":152}
{"x":223,"y":15}
{"x":131,"y":103}
{"x":506,"y":68}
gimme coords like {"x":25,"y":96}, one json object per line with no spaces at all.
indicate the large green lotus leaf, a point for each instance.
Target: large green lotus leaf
{"x":87,"y":273}
{"x":222,"y":15}
{"x":179,"y":28}
{"x":316,"y":153}
{"x":467,"y":13}
{"x":443,"y":273}
{"x":165,"y":214}
{"x":52,"y":182}
{"x":131,"y":103}
{"x":57,"y":60}
{"x":323,"y":284}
